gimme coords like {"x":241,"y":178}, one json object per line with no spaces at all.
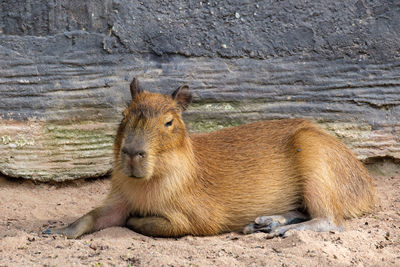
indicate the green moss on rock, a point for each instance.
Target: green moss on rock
{"x":211,"y":125}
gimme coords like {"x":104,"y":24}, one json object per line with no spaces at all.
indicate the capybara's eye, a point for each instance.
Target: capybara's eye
{"x":169,"y":123}
{"x":124,"y":150}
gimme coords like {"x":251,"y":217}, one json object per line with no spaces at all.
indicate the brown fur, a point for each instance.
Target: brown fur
{"x":206,"y":184}
{"x":211,"y":183}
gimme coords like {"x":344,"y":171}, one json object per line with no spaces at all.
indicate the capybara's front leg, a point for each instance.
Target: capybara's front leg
{"x":97,"y":219}
{"x":152,"y":226}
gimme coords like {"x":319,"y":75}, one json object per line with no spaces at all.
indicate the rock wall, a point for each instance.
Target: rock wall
{"x":66,"y":66}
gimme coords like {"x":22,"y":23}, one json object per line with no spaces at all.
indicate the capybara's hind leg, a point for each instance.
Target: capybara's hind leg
{"x":317,"y":225}
{"x":267,"y":224}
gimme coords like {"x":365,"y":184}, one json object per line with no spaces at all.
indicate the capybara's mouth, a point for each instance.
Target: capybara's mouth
{"x":136,"y":177}
{"x":135,"y":173}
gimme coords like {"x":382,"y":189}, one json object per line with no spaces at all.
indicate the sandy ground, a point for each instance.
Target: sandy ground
{"x":28,"y":208}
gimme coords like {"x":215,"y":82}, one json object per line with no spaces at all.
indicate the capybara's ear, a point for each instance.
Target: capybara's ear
{"x":135,"y":89}
{"x":183,"y":97}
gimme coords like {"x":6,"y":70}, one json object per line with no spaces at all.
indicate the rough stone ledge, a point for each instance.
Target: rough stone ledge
{"x":58,"y":122}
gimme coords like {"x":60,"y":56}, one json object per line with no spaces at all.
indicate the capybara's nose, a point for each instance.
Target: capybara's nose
{"x":134,"y":153}
{"x":140,"y":154}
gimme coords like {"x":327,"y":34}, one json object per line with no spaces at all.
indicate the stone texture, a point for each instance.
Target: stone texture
{"x":66,"y":66}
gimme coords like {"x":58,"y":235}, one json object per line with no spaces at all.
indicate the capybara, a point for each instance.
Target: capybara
{"x":268,"y":176}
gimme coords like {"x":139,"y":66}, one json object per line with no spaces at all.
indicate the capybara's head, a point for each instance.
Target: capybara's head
{"x":152,"y":127}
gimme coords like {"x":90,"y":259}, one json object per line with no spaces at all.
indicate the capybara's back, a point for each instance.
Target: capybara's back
{"x":268,"y":176}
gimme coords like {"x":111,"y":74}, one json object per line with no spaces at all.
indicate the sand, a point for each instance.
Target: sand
{"x":28,"y":208}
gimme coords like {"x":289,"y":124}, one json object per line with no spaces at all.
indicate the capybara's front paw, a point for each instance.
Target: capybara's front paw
{"x":68,"y":232}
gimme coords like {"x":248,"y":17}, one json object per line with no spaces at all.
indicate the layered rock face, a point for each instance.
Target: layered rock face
{"x":66,"y":67}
